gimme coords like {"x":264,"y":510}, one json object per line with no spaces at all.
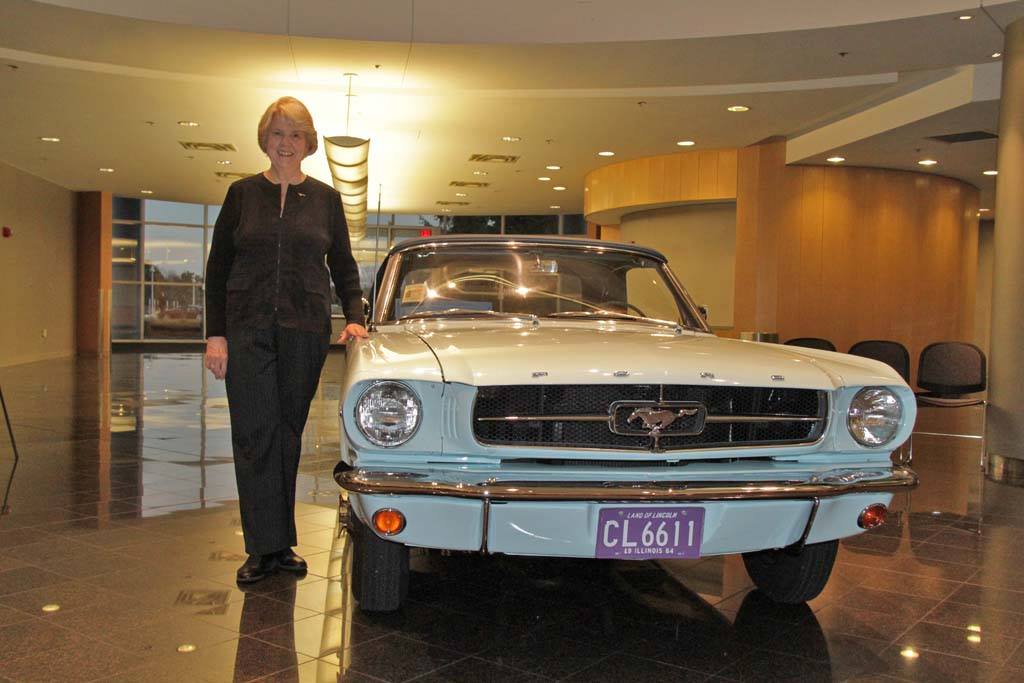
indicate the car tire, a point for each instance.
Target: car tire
{"x":792,"y":577}
{"x":380,"y":569}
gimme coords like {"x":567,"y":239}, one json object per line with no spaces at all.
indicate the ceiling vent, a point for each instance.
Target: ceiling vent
{"x":467,"y":183}
{"x":444,"y":203}
{"x":495,"y":158}
{"x":208,"y":146}
{"x":232,"y":175}
{"x":970,"y":136}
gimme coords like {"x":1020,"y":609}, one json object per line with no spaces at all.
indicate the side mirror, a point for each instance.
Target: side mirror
{"x":703,"y":312}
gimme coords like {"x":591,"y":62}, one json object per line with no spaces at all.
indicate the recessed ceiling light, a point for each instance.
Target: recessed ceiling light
{"x":557,"y":188}
{"x":553,"y":167}
{"x":543,"y":177}
{"x":738,"y":107}
{"x":554,"y":206}
{"x":188,"y":124}
{"x":990,"y":172}
{"x":446,"y":210}
{"x":186,"y":648}
{"x":461,"y":194}
{"x":836,"y":160}
{"x":146,"y":191}
{"x":965,"y":17}
{"x":106,"y":170}
{"x":996,"y":55}
{"x":510,"y":138}
{"x":927,"y":162}
{"x":49,"y":139}
{"x":479,"y":172}
{"x":983,"y":210}
{"x":686,"y":143}
{"x":224,"y":162}
{"x":606,"y":154}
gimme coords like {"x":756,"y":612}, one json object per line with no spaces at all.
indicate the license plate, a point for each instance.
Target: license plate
{"x":642,"y":533}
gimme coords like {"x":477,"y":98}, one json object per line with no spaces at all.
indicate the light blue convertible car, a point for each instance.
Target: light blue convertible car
{"x":564,"y":397}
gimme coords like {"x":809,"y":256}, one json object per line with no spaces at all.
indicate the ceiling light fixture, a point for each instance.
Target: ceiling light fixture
{"x":836,"y":160}
{"x":479,"y":172}
{"x":106,"y":170}
{"x":224,"y":162}
{"x":686,"y":143}
{"x":145,"y":191}
{"x":557,"y":188}
{"x":996,"y":55}
{"x":993,"y":172}
{"x":188,"y":124}
{"x":553,"y":167}
{"x":49,"y":139}
{"x":554,"y":206}
{"x":965,"y":17}
{"x":349,"y":160}
{"x":738,"y":108}
{"x":983,"y":210}
{"x":543,"y":178}
{"x":510,"y":138}
{"x":606,"y":154}
{"x":461,"y":194}
{"x":927,"y":162}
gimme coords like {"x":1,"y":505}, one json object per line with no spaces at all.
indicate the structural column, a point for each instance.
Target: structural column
{"x":1004,"y":431}
{"x":93,"y":273}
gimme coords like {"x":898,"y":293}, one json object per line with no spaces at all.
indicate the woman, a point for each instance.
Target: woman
{"x":268,"y":324}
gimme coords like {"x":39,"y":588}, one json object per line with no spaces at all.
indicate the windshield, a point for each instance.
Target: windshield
{"x":545,"y":281}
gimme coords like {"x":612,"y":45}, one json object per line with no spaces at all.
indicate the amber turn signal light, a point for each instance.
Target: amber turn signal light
{"x":388,"y":521}
{"x":872,"y":516}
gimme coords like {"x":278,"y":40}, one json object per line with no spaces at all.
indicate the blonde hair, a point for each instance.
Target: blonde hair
{"x":294,"y":111}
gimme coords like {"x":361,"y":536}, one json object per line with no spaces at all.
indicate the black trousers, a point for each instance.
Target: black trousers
{"x":271,"y":378}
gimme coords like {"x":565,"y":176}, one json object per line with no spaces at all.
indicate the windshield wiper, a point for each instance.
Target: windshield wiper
{"x":611,"y":315}
{"x":466,"y":312}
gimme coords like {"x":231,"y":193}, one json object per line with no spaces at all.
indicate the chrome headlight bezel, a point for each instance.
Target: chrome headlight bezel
{"x":367,"y":393}
{"x":874,"y":416}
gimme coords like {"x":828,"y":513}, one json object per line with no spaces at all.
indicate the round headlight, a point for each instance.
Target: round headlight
{"x":874,"y":416}
{"x":388,"y":413}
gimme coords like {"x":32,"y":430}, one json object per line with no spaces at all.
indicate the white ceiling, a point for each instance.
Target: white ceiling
{"x":113,"y":82}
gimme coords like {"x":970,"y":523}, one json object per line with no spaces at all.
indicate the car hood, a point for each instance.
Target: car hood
{"x":548,"y":352}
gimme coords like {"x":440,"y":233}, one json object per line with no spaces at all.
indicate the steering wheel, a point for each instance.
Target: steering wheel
{"x":625,"y":305}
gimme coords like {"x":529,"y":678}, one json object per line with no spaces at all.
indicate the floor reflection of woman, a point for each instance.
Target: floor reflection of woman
{"x":268,"y":324}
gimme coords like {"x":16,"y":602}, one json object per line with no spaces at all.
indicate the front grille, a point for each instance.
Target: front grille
{"x":576,"y":416}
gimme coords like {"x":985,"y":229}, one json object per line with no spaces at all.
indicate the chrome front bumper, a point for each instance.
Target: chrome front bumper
{"x":821,"y":485}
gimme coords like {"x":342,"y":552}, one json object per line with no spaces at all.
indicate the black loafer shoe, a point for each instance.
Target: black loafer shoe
{"x":290,"y":562}
{"x":256,"y":568}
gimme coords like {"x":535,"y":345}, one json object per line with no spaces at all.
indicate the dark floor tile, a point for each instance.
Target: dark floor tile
{"x":27,"y":578}
{"x":920,"y":586}
{"x":244,"y":659}
{"x":69,"y":595}
{"x":474,"y":670}
{"x":772,"y":666}
{"x":934,"y":667}
{"x":252,"y":614}
{"x":988,"y":596}
{"x":979,"y":619}
{"x":318,"y":671}
{"x":163,"y":635}
{"x":987,"y":647}
{"x":394,"y":658}
{"x":68,"y":662}
{"x":21,"y":537}
{"x":844,"y":619}
{"x":320,"y":635}
{"x":23,"y":638}
{"x":11,"y":616}
{"x":885,"y":602}
{"x":622,"y":668}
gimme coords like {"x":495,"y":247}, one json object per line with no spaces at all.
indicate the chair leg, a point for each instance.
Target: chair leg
{"x":983,"y":460}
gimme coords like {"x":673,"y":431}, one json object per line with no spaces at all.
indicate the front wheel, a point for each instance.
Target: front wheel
{"x":792,"y":577}
{"x":380,"y":569}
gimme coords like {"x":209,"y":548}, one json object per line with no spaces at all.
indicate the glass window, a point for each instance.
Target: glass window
{"x":127,"y":265}
{"x":173,"y":212}
{"x":212,"y":211}
{"x":531,"y":225}
{"x":473,"y":225}
{"x":574,"y":224}
{"x":124,"y":314}
{"x":127,"y":208}
{"x":174,"y":254}
{"x":173,"y":311}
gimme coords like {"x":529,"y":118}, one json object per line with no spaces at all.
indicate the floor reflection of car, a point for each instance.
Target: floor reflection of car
{"x":565,"y":398}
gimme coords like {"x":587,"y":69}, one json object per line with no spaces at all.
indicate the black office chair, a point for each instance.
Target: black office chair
{"x":812,"y":343}
{"x":891,"y":353}
{"x":948,"y":371}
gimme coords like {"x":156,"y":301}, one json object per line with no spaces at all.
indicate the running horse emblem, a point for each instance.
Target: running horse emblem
{"x":659,"y":419}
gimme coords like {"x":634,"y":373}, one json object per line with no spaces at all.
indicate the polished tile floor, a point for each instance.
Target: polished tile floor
{"x":121,"y":538}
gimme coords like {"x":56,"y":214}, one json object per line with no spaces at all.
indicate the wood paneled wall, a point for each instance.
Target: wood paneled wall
{"x":842,"y":253}
{"x":665,"y":180}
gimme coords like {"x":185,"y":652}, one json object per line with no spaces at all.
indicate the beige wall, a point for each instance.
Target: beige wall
{"x":37,"y":269}
{"x":700,"y":243}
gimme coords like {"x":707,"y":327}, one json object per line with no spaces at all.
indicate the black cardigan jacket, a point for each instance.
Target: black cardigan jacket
{"x":266,"y":268}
